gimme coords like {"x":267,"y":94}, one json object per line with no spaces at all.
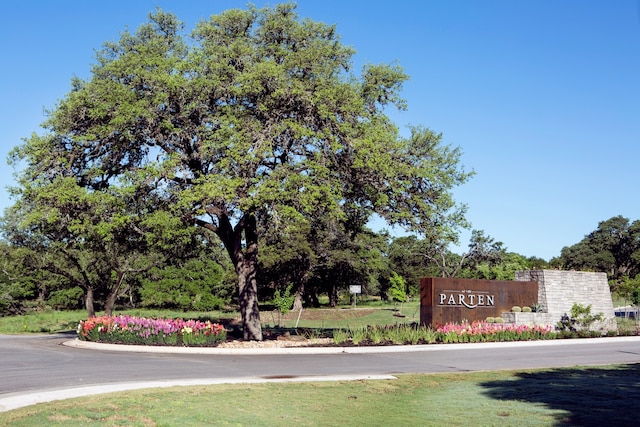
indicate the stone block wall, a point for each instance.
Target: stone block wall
{"x":559,"y":290}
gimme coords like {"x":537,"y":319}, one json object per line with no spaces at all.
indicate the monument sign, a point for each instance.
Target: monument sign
{"x":446,"y":299}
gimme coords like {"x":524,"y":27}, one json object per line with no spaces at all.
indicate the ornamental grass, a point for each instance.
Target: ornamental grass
{"x":150,"y":331}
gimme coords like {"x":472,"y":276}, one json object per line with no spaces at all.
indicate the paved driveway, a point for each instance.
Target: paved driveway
{"x":32,"y":365}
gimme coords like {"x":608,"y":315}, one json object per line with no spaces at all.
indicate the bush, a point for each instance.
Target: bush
{"x":526,"y":309}
{"x":397,"y":287}
{"x":208,"y":302}
{"x":66,"y":299}
{"x":581,"y":319}
{"x":194,"y":286}
{"x":516,"y":309}
{"x":490,"y":320}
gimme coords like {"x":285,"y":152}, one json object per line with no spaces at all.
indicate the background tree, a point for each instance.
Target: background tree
{"x":192,"y":284}
{"x":88,"y":240}
{"x":504,"y":269}
{"x":408,"y":257}
{"x":19,"y":286}
{"x":254,"y":119}
{"x":397,"y":289}
{"x":613,"y":248}
{"x":345,"y":260}
{"x":484,"y":249}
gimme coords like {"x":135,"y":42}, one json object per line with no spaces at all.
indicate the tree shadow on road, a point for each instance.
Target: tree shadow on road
{"x":594,"y":396}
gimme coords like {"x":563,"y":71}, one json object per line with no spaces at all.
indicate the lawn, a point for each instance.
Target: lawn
{"x":575,"y":396}
{"x":52,"y":321}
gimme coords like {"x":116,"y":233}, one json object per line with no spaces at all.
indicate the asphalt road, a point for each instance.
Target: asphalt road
{"x":31,"y":364}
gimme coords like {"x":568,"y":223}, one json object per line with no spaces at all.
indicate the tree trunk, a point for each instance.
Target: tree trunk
{"x":297,"y":302}
{"x":247,"y":284}
{"x":333,"y":295}
{"x":113,"y":295}
{"x":88,"y":303}
{"x":248,"y":298}
{"x":245,"y":260}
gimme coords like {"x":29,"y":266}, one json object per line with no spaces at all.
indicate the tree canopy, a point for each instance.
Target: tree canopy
{"x":613,"y":248}
{"x":254,"y":123}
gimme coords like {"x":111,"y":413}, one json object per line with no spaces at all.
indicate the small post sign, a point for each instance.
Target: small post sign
{"x":355,"y":290}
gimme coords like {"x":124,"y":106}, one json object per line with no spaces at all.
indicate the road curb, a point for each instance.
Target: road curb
{"x":76,"y":343}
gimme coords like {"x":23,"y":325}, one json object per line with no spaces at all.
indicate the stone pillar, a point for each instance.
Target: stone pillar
{"x":559,"y":290}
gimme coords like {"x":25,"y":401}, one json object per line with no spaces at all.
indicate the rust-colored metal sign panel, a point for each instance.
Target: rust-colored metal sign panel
{"x":446,"y":299}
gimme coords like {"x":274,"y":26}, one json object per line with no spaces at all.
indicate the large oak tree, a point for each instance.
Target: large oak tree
{"x":254,"y":118}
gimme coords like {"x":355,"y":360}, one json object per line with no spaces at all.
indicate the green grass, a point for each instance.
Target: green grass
{"x":575,"y":396}
{"x":52,"y":321}
{"x":45,"y":321}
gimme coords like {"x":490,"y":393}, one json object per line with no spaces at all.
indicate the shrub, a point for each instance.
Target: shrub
{"x":498,"y":320}
{"x":283,"y":302}
{"x":196,"y":285}
{"x":66,"y":299}
{"x":490,"y":320}
{"x":526,"y":309}
{"x":581,"y":319}
{"x":516,"y":309}
{"x":208,"y":302}
{"x":397,"y":288}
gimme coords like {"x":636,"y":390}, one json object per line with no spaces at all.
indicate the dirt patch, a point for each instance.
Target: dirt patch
{"x":328,"y":313}
{"x":277,"y":343}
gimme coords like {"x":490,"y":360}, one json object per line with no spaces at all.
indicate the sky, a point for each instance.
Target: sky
{"x":541,"y":96}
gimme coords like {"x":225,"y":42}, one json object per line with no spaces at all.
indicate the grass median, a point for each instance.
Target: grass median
{"x":575,"y":396}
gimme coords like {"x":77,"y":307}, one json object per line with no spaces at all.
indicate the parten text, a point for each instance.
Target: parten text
{"x":469,"y":299}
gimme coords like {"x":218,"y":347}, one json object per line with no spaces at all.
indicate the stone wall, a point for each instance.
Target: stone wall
{"x":559,"y":290}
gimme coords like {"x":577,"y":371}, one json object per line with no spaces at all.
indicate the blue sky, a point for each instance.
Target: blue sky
{"x":542,"y":96}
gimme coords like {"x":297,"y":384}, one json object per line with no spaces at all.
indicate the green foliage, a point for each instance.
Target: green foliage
{"x":581,"y":319}
{"x":526,"y":309}
{"x":450,"y":333}
{"x":250,"y":125}
{"x":516,"y":309}
{"x":283,"y":301}
{"x":340,"y":336}
{"x":190,"y":286}
{"x":408,"y":257}
{"x":142,"y":331}
{"x":614,"y":248}
{"x":68,"y":299}
{"x":628,"y":288}
{"x":397,"y":288}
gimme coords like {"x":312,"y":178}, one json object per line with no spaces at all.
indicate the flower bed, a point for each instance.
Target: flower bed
{"x":143,"y":331}
{"x":179,"y":332}
{"x":490,"y":332}
{"x":448,"y":333}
